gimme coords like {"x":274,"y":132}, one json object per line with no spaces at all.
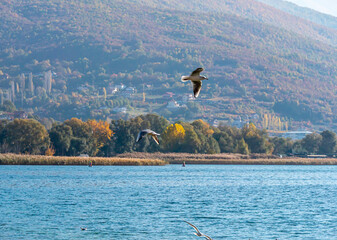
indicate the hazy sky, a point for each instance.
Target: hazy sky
{"x":325,"y":6}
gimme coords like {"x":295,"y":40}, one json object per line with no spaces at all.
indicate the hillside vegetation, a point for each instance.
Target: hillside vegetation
{"x":258,"y":59}
{"x":303,"y":12}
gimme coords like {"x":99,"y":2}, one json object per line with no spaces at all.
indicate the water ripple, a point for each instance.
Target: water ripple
{"x":225,"y":202}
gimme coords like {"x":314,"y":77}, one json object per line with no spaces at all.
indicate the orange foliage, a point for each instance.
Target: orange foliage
{"x":50,"y":151}
{"x":203,"y":127}
{"x":101,"y":131}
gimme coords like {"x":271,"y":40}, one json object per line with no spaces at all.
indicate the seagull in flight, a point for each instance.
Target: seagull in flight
{"x":195,"y":78}
{"x":198,"y":233}
{"x":142,"y":133}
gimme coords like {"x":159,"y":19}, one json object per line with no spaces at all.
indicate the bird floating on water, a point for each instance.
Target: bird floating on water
{"x":142,"y":133}
{"x":83,"y":229}
{"x":198,"y":233}
{"x":196,"y":79}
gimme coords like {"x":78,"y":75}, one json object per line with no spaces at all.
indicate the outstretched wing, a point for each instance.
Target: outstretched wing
{"x":196,"y":88}
{"x":155,"y":138}
{"x":207,"y":237}
{"x":197,"y":72}
{"x":141,"y":135}
{"x":196,"y":229}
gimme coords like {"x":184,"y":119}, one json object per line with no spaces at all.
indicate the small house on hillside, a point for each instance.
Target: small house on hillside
{"x":187,"y":97}
{"x":7,"y":116}
{"x":119,"y":109}
{"x":172,"y":104}
{"x":128,"y":92}
{"x":168,"y":95}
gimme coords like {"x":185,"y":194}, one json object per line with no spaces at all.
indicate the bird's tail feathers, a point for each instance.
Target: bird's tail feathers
{"x":184,"y":78}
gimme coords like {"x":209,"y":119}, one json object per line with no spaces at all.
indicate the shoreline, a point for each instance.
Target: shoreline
{"x":161,"y":159}
{"x":17,"y":159}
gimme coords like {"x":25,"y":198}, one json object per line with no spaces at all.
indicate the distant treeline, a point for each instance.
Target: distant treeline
{"x":100,"y":138}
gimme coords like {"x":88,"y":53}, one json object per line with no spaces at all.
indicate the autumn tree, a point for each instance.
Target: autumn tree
{"x":256,"y":139}
{"x":173,"y":137}
{"x":205,"y":135}
{"x":101,"y":133}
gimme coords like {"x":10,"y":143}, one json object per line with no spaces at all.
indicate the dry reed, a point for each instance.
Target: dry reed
{"x":17,"y":159}
{"x":235,"y":159}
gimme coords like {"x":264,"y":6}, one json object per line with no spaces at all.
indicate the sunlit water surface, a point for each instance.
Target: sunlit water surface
{"x":225,"y":202}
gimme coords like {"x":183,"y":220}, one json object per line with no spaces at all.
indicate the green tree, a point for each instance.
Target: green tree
{"x":213,"y":146}
{"x":124,"y":137}
{"x":282,"y":145}
{"x":329,"y":142}
{"x":60,"y":137}
{"x":192,"y":143}
{"x":3,"y":144}
{"x":82,"y":141}
{"x":26,"y":136}
{"x":77,"y":146}
{"x":226,"y":142}
{"x":242,"y":147}
{"x":298,"y":148}
{"x":157,"y":124}
{"x":256,"y":139}
{"x":311,"y":143}
{"x":79,"y":128}
{"x":205,"y":134}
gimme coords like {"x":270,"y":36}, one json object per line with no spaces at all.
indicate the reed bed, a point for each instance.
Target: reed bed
{"x":17,"y":159}
{"x":191,"y":156}
{"x":261,"y":161}
{"x":159,"y":159}
{"x":235,"y":159}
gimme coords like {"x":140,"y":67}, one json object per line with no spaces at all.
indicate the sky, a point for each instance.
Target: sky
{"x":325,"y":6}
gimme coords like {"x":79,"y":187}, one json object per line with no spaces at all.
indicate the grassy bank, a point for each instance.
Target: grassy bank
{"x":159,"y":159}
{"x":224,"y":158}
{"x":16,"y":159}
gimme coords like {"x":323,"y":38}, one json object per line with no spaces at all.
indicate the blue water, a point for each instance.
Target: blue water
{"x":225,"y":202}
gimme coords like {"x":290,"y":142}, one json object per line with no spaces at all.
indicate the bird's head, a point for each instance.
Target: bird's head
{"x":204,"y":78}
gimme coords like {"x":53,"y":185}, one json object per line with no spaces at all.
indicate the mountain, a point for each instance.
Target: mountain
{"x":303,"y":12}
{"x":259,"y":59}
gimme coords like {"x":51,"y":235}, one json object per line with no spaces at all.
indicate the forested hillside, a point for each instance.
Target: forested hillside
{"x":259,"y":60}
{"x":303,"y":12}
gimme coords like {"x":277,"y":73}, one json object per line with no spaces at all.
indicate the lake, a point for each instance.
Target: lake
{"x":134,"y":202}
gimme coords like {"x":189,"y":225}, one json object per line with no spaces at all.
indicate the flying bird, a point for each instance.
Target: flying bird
{"x":142,"y":133}
{"x":195,"y":78}
{"x":198,"y":233}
